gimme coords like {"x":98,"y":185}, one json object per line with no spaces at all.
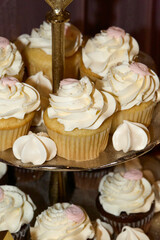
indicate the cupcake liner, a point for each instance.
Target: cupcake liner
{"x":8,"y":137}
{"x":82,"y":146}
{"x":23,"y":233}
{"x":141,"y":114}
{"x":27,"y":175}
{"x":135,"y":220}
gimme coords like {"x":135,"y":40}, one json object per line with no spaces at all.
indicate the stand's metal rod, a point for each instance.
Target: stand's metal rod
{"x":58,"y":16}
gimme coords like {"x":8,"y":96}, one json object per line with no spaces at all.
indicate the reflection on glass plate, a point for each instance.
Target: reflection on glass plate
{"x":107,"y":158}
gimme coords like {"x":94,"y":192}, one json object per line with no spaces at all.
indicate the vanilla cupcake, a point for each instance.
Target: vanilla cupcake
{"x":43,"y":85}
{"x":126,"y":199}
{"x":63,"y":221}
{"x":129,"y":233}
{"x":18,"y":104}
{"x":11,"y":63}
{"x":79,"y":119}
{"x":16,"y":212}
{"x":106,"y":49}
{"x":136,"y":88}
{"x":36,"y":50}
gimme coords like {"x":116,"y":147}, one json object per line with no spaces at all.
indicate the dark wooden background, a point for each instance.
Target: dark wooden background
{"x":141,"y":18}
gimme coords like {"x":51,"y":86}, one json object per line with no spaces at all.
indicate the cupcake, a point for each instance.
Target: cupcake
{"x":136,"y":88}
{"x":63,"y":221}
{"x":16,"y":212}
{"x":11,"y":63}
{"x":6,"y":235}
{"x":79,"y":119}
{"x":43,"y":85}
{"x":106,"y":49}
{"x":126,"y":199}
{"x":36,"y":50}
{"x":18,"y":104}
{"x":129,"y":233}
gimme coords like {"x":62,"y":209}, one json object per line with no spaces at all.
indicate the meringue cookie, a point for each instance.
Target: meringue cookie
{"x":130,"y":136}
{"x":34,"y":148}
{"x":129,"y":233}
{"x":103,"y":230}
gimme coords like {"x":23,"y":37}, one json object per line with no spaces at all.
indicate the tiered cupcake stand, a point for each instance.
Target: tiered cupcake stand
{"x":109,"y":157}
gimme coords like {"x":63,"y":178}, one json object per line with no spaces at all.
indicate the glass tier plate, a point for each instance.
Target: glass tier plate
{"x":108,"y":158}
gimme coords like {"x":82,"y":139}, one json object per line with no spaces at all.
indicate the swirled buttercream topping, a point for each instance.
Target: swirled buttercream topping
{"x":42,"y":38}
{"x":131,"y":84}
{"x":56,"y":223}
{"x":16,"y":209}
{"x":116,"y":32}
{"x":17,"y":99}
{"x":103,"y":230}
{"x":75,"y":99}
{"x":130,"y":136}
{"x":129,"y":233}
{"x":118,"y":194}
{"x":3,"y":169}
{"x":10,"y":58}
{"x":107,"y":49}
{"x":34,"y":148}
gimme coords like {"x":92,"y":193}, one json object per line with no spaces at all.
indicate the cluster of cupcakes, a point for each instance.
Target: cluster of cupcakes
{"x":114,"y":91}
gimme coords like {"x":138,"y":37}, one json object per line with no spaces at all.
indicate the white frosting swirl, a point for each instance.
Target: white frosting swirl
{"x":129,"y":233}
{"x":16,"y":209}
{"x":58,"y":223}
{"x":17,"y":99}
{"x":34,"y":148}
{"x":42,"y":38}
{"x":10,"y":59}
{"x":75,"y":99}
{"x":3,"y":169}
{"x":130,"y":85}
{"x":44,"y":86}
{"x":105,"y":50}
{"x":130,"y":136}
{"x":118,"y":194}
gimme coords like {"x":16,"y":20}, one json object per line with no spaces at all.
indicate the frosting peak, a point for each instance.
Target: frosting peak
{"x":9,"y":81}
{"x":115,"y":32}
{"x":4,"y":42}
{"x":133,"y":174}
{"x":75,"y":213}
{"x":140,"y":68}
{"x":68,"y":81}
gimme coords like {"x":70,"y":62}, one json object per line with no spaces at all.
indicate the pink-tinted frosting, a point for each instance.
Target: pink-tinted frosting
{"x":4,"y":42}
{"x":9,"y":81}
{"x":75,"y":213}
{"x":1,"y":194}
{"x":68,"y":81}
{"x":140,"y":68}
{"x":116,"y":32}
{"x":133,"y":174}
